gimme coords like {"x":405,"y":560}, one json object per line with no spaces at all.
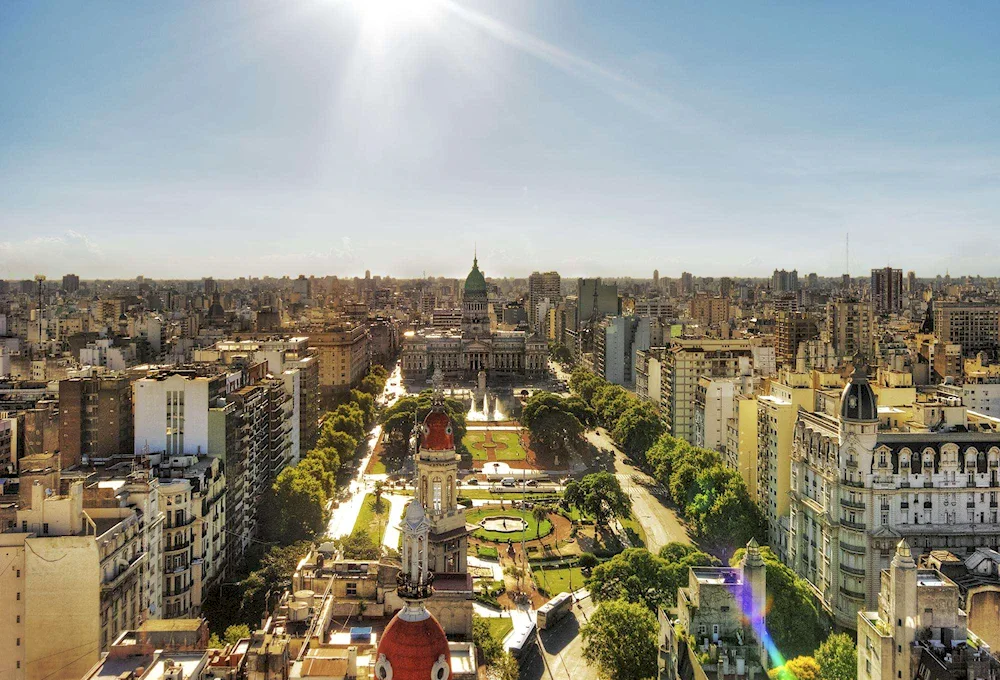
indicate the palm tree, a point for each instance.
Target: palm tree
{"x":539,"y":514}
{"x":379,"y":488}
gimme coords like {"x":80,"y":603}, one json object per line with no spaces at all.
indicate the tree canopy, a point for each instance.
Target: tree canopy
{"x":837,"y":658}
{"x":793,"y":619}
{"x":635,"y":575}
{"x":799,"y":668}
{"x":552,"y":422}
{"x":599,"y":495}
{"x":620,"y":640}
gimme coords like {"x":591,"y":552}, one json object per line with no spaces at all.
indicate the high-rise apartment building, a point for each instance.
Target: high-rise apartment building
{"x":911,"y":282}
{"x":784,"y":281}
{"x":71,"y":283}
{"x":542,"y":286}
{"x":887,"y":290}
{"x":687,"y":283}
{"x":687,"y":360}
{"x":95,"y":418}
{"x":974,"y":326}
{"x":709,"y":310}
{"x":850,"y":326}
{"x":344,"y":356}
{"x":790,"y":330}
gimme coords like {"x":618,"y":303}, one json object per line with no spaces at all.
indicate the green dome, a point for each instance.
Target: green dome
{"x":475,"y":283}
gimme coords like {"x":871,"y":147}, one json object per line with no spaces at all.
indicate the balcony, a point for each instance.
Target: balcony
{"x":853,"y":594}
{"x":851,"y":548}
{"x":852,"y":570}
{"x":174,"y":592}
{"x":853,"y":484}
{"x":856,"y":505}
{"x":853,"y":525}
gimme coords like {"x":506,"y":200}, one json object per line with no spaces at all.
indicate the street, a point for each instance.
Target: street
{"x":659,"y":521}
{"x":560,"y":649}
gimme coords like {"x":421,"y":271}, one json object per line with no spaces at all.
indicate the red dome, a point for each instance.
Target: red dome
{"x":437,"y":432}
{"x":413,"y":649}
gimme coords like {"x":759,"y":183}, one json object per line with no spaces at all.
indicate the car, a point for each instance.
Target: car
{"x":531,"y":482}
{"x":472,"y":482}
{"x":508,"y":481}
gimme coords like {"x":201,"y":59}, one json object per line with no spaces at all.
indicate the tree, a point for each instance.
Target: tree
{"x":799,"y":668}
{"x":837,"y":658}
{"x":637,"y":429}
{"x":539,"y":514}
{"x":365,"y":403}
{"x":236,"y":633}
{"x":296,"y":510}
{"x":482,"y":636}
{"x":315,"y":466}
{"x":679,"y":557}
{"x":561,"y":353}
{"x":379,"y":490}
{"x":620,"y":640}
{"x":552,"y":425}
{"x":581,"y":409}
{"x":587,"y":560}
{"x":635,"y":575}
{"x":358,"y":546}
{"x":338,"y":441}
{"x":793,"y":619}
{"x":585,"y":383}
{"x":609,"y":401}
{"x":348,"y":418}
{"x":599,"y":495}
{"x":505,"y":667}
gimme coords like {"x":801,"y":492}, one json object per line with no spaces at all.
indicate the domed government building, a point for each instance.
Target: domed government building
{"x":476,"y":346}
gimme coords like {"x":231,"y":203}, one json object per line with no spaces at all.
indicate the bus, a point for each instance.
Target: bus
{"x":521,"y":642}
{"x":554,"y":609}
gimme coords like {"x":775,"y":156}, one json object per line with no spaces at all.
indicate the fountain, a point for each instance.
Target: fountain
{"x":486,"y":414}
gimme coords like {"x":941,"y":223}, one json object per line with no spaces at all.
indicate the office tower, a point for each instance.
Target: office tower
{"x":911,"y":282}
{"x":687,"y":283}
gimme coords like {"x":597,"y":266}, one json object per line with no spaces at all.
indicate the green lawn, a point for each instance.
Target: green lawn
{"x":478,"y":515}
{"x":486,"y":552}
{"x":512,"y":449}
{"x":373,"y":522}
{"x":555,"y":581}
{"x":500,"y":626}
{"x":378,"y":468}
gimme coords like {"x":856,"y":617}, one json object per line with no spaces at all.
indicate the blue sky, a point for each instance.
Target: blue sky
{"x":329,"y":136}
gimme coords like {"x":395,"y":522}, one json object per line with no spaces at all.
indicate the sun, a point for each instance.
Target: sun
{"x":384,"y":18}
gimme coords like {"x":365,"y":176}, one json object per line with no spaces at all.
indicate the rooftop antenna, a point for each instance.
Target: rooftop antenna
{"x":847,"y":253}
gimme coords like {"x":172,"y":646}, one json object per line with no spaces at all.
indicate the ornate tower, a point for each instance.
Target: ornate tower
{"x":902,"y":605}
{"x":755,"y":591}
{"x":437,"y":490}
{"x":858,"y":423}
{"x":413,"y":645}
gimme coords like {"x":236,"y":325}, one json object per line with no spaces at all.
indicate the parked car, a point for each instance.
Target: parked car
{"x":508,"y":481}
{"x":531,"y":482}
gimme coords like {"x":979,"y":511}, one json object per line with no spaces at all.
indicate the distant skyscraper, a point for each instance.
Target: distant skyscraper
{"x":911,"y":281}
{"x":812,"y":281}
{"x":726,"y":286}
{"x":784,"y":281}
{"x":71,"y":283}
{"x":687,"y":283}
{"x":887,"y":290}
{"x":591,"y":291}
{"x":656,"y":278}
{"x":209,"y":285}
{"x":542,"y":287}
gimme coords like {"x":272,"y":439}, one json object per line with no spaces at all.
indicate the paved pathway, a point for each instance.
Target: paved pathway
{"x":397,"y":504}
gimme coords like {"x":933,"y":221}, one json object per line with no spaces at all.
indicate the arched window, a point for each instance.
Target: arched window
{"x":981,"y":463}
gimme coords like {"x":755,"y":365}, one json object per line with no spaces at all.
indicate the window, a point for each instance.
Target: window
{"x":352,"y":589}
{"x":45,"y":527}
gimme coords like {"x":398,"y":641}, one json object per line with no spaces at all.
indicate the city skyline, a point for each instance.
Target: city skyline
{"x":338,"y":136}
